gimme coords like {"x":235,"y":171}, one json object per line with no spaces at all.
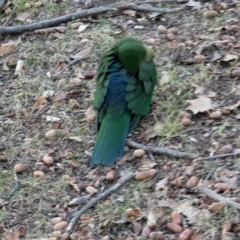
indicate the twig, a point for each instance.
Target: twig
{"x":78,"y":214}
{"x":54,"y":21}
{"x":85,"y":13}
{"x":13,"y":190}
{"x":219,"y":156}
{"x":158,"y":150}
{"x":160,"y":1}
{"x":218,"y":197}
{"x":40,"y":111}
{"x":75,"y":61}
{"x":2,"y":4}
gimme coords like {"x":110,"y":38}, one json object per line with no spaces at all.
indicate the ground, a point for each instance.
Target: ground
{"x":197,"y":59}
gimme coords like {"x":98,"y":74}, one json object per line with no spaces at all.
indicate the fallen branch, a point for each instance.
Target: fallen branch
{"x":82,"y":14}
{"x":160,"y":1}
{"x":219,"y":156}
{"x":78,"y":214}
{"x":40,"y":111}
{"x":75,"y":61}
{"x":218,"y":197}
{"x":159,"y":150}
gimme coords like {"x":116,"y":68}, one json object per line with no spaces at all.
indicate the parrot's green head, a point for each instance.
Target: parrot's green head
{"x":132,"y":52}
{"x":150,"y":54}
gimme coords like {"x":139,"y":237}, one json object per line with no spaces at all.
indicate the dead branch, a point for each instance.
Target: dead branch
{"x":40,"y":111}
{"x":218,"y":197}
{"x":160,"y":1}
{"x":101,"y":196}
{"x":220,"y":156}
{"x":159,"y":150}
{"x":75,"y":61}
{"x":82,"y":14}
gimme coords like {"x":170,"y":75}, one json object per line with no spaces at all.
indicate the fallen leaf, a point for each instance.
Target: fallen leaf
{"x":84,"y":53}
{"x":165,"y":78}
{"x":51,"y":30}
{"x":90,"y":114}
{"x":186,"y":208}
{"x":155,"y":130}
{"x":130,"y":13}
{"x":194,"y":4}
{"x":155,"y":215}
{"x":198,"y":89}
{"x":230,"y":57}
{"x":7,"y":48}
{"x":22,"y":16}
{"x":82,"y":27}
{"x":39,"y":101}
{"x":59,"y":96}
{"x":77,"y":138}
{"x":216,"y":207}
{"x":11,"y":236}
{"x":161,"y":184}
{"x":200,"y":217}
{"x":19,"y":67}
{"x":200,"y":104}
{"x":48,"y":94}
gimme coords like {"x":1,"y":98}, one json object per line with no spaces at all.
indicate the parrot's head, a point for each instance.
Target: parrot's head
{"x":150,"y":54}
{"x":132,"y":53}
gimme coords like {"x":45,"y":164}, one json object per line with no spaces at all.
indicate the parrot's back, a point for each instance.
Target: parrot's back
{"x":125,"y":82}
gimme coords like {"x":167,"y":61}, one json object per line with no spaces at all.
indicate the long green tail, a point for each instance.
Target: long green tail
{"x":110,"y":140}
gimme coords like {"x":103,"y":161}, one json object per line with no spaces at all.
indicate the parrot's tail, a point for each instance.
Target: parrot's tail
{"x":111,"y":140}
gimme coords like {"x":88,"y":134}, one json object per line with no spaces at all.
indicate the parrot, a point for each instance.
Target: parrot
{"x":125,"y":81}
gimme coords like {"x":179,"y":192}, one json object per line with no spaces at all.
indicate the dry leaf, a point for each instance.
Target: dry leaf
{"x":199,"y":217}
{"x":216,"y":207}
{"x":11,"y":236}
{"x":161,"y":184}
{"x":194,"y":4}
{"x":90,"y":114}
{"x":186,"y":208}
{"x":59,"y":96}
{"x":230,"y":57}
{"x":84,"y":53}
{"x":82,"y":27}
{"x":198,"y":89}
{"x":77,"y":138}
{"x":165,"y":78}
{"x":51,"y":30}
{"x":130,"y":13}
{"x":39,"y":102}
{"x":7,"y":48}
{"x":19,"y":67}
{"x":155,"y":215}
{"x":155,"y":130}
{"x":74,"y":103}
{"x":200,"y":104}
{"x":22,"y":16}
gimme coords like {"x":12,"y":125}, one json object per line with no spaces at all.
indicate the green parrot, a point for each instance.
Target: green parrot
{"x":125,"y":79}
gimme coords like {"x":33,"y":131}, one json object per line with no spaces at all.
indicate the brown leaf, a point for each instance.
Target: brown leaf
{"x":12,"y":236}
{"x":22,"y":16}
{"x":7,"y":48}
{"x":156,"y":214}
{"x":161,"y":184}
{"x":39,"y":102}
{"x":84,"y":53}
{"x":216,"y":207}
{"x":59,"y":95}
{"x":200,"y":104}
{"x":90,"y":114}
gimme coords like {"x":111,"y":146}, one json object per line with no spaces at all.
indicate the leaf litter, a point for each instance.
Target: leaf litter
{"x":171,"y":188}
